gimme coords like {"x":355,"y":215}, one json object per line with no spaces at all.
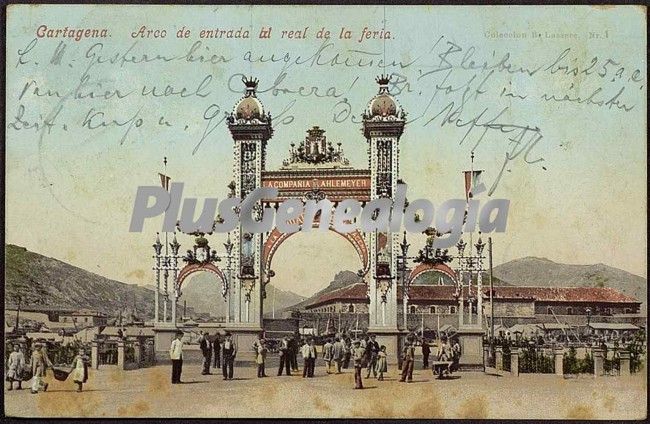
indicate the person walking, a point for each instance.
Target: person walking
{"x":176,"y":355}
{"x":39,"y":365}
{"x":285,"y":361}
{"x":79,"y":369}
{"x":347,"y":353}
{"x":337,"y":354}
{"x":261,"y":358}
{"x":328,"y":353}
{"x":408,"y":358}
{"x":206,"y":351}
{"x":426,"y":351}
{"x":15,"y":367}
{"x":216,"y":352}
{"x":229,"y":351}
{"x":358,"y":354}
{"x":455,"y":354}
{"x":382,"y":363}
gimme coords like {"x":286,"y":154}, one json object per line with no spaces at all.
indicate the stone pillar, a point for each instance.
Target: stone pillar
{"x":136,"y":347}
{"x":599,"y":364}
{"x":94,"y":354}
{"x":120,"y":355}
{"x":514,"y":362}
{"x":558,"y":354}
{"x":625,"y":363}
{"x":498,"y":358}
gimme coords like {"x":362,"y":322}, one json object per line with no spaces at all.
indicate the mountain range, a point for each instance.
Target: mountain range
{"x":40,"y":280}
{"x":532,"y":271}
{"x":44,"y":281}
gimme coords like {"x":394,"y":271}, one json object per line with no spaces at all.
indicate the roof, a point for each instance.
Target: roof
{"x":357,"y":293}
{"x":553,"y":326}
{"x":612,"y":326}
{"x":88,"y":312}
{"x":563,"y":294}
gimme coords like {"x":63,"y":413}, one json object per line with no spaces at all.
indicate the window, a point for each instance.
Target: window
{"x":549,"y":310}
{"x":627,"y":310}
{"x":351,"y":308}
{"x":413,"y":309}
{"x":452,"y":309}
{"x":569,"y":311}
{"x":432,"y":310}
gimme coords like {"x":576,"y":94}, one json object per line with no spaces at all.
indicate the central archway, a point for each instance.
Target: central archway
{"x":276,"y":238}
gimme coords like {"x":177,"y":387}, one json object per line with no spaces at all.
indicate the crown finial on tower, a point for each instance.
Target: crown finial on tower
{"x":383,"y":81}
{"x":251,"y":85}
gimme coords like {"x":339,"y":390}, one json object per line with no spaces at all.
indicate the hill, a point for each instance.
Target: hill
{"x":532,"y":271}
{"x":41,"y":280}
{"x":203,"y":293}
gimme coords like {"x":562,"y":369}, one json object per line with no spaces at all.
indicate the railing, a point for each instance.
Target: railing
{"x":535,"y":359}
{"x":108,"y":353}
{"x":571,"y":364}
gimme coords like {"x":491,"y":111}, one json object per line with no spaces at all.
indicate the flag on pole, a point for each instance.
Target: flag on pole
{"x":164,"y":181}
{"x":473,"y":183}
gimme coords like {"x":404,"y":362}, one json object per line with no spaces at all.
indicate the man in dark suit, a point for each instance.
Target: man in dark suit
{"x":216,"y":352}
{"x":426,"y":350}
{"x":293,"y":351}
{"x":285,"y":360}
{"x":229,"y":351}
{"x":372,"y":349}
{"x":206,"y":350}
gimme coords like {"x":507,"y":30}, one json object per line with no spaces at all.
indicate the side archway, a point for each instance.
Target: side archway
{"x":424,"y":267}
{"x":201,"y":267}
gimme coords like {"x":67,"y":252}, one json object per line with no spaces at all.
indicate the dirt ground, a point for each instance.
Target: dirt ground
{"x":148,"y":393}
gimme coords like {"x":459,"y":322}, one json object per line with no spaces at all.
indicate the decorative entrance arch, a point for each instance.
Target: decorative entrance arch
{"x":315,"y":169}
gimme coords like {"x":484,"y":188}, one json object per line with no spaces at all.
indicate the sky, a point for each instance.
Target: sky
{"x":577,"y":187}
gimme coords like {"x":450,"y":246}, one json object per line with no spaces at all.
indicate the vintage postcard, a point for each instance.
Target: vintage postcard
{"x":313,"y":211}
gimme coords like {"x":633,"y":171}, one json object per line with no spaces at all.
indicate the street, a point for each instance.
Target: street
{"x":148,"y":393}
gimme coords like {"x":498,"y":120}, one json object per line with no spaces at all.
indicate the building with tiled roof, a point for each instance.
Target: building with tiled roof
{"x":511,"y":304}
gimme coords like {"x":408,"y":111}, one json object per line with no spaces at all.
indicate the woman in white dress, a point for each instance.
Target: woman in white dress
{"x":80,"y":369}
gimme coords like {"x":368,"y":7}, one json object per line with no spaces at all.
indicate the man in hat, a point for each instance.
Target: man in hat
{"x":358,"y":354}
{"x":176,"y":355}
{"x":206,"y":351}
{"x":372,"y":349}
{"x":285,"y":361}
{"x":229,"y":351}
{"x":426,"y":351}
{"x":216,"y":347}
{"x":408,"y":359}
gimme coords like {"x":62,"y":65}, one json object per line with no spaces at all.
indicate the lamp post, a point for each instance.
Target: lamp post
{"x":402,"y":267}
{"x":470,"y":264}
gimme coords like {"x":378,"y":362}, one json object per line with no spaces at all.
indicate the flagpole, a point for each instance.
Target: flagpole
{"x":273,"y":302}
{"x":166,"y":253}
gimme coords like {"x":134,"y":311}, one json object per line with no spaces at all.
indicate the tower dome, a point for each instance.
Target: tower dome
{"x":249,"y":107}
{"x":383,"y":106}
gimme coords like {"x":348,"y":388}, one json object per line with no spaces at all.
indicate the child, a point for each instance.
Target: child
{"x":382,"y":363}
{"x":80,"y":369}
{"x":261,"y":358}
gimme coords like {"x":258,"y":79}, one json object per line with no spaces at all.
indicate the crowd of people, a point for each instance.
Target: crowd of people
{"x":338,"y":353}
